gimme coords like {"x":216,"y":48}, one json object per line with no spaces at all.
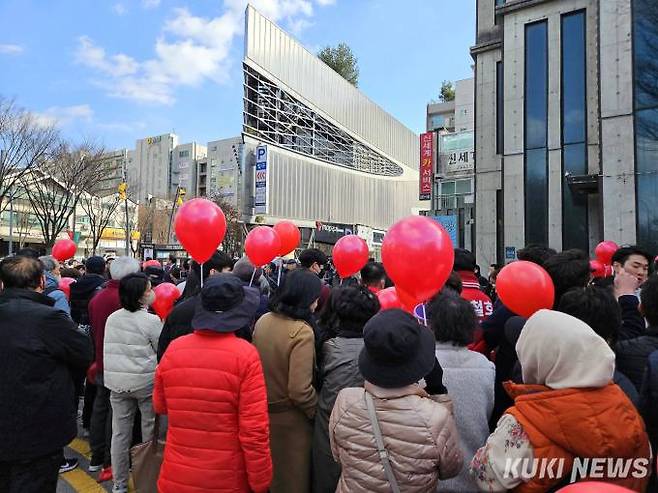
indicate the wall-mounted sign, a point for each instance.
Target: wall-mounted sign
{"x":331,"y":232}
{"x":154,"y":140}
{"x":426,"y":168}
{"x":449,"y":222}
{"x":260,"y":181}
{"x":456,"y":152}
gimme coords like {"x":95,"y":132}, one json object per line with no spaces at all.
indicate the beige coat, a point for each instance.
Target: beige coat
{"x":418,"y":432}
{"x":287,"y":351}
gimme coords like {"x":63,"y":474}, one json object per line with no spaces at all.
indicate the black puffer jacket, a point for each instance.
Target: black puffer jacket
{"x":40,"y":349}
{"x":82,"y":291}
{"x":632,"y":355}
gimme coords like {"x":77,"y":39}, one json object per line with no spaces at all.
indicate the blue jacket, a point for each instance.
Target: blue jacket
{"x":52,"y":290}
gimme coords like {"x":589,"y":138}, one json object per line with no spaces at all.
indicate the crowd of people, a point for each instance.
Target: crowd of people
{"x":284,"y":379}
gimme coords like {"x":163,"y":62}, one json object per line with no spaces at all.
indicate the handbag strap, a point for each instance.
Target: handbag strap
{"x":156,"y":430}
{"x":381,"y":450}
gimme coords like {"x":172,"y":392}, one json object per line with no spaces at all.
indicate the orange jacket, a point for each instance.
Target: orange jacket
{"x":579,"y":423}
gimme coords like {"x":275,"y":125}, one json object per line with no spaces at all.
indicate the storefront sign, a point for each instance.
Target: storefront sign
{"x":331,"y":232}
{"x":260,"y":181}
{"x":449,"y":222}
{"x":456,"y":154}
{"x":426,"y":168}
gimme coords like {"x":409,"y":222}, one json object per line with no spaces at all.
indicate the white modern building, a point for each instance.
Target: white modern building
{"x":566,"y":124}
{"x":184,"y":163}
{"x":328,"y":154}
{"x":150,"y":171}
{"x":220,"y":177}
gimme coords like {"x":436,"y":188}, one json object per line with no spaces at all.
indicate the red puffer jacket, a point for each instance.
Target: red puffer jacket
{"x":211,"y":386}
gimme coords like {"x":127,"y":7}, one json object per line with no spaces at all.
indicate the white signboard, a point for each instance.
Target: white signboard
{"x":260,"y":181}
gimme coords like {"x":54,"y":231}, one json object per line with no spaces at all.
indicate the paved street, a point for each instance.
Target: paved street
{"x":80,"y":480}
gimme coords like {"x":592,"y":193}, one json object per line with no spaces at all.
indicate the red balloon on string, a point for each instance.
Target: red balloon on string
{"x":605,"y":250}
{"x":350,"y":254}
{"x":289,"y":235}
{"x":200,"y":226}
{"x":598,"y":269}
{"x":593,"y":487}
{"x":151,"y":263}
{"x":525,"y":287}
{"x":262,"y":245}
{"x":388,"y":299}
{"x":418,"y":256}
{"x":64,"y":249}
{"x":65,"y":286}
{"x":166,"y":295}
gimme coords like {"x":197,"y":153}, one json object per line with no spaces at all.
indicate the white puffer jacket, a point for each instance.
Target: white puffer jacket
{"x":130,"y":349}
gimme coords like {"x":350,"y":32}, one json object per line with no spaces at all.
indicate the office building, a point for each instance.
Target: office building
{"x":184,"y":167}
{"x":565,"y":124}
{"x":150,"y":171}
{"x":219,"y":176}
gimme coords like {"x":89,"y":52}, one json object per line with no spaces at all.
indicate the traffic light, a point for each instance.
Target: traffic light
{"x":181,"y":196}
{"x":122,"y":188}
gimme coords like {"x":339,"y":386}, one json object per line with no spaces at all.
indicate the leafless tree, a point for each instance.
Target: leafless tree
{"x":25,"y":223}
{"x":99,"y":211}
{"x":55,"y":186}
{"x":233,"y":243}
{"x":25,"y":142}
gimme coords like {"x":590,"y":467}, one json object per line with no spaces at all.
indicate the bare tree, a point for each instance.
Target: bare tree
{"x":55,"y":186}
{"x":99,"y":211}
{"x":25,"y":223}
{"x":233,"y":243}
{"x":24,"y":143}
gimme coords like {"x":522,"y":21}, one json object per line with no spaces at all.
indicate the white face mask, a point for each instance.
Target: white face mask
{"x":148,"y":298}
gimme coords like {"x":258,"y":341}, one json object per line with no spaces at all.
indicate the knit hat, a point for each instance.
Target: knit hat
{"x":397,"y":351}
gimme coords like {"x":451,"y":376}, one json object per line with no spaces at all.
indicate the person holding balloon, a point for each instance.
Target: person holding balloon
{"x":286,"y":343}
{"x":562,"y":411}
{"x":129,"y":359}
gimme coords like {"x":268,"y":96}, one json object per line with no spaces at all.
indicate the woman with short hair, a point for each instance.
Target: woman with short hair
{"x":129,"y":357}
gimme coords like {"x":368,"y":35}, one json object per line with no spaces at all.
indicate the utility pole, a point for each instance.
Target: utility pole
{"x":11,"y":222}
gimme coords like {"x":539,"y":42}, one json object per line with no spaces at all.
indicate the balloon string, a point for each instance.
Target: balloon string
{"x":424,"y":315}
{"x":202,"y":275}
{"x":253,"y":274}
{"x":278,"y":278}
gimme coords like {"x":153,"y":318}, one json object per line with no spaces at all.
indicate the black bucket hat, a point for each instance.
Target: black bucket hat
{"x":398,"y":351}
{"x":225,"y":304}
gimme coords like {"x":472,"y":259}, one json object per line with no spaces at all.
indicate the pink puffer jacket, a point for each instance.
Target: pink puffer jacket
{"x":418,"y":431}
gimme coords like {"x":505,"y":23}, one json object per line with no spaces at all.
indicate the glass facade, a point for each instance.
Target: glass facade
{"x":574,"y":129}
{"x":645,"y":50}
{"x":536,"y":133}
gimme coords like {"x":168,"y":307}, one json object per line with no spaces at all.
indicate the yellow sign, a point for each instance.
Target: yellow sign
{"x":118,"y":234}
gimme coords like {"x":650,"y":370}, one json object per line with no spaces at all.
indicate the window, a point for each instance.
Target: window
{"x":184,"y":154}
{"x":500,"y":2}
{"x":500,"y":115}
{"x":645,"y":47}
{"x":574,"y":129}
{"x":536,"y":133}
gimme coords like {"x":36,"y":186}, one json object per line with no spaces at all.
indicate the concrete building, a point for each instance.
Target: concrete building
{"x":115,"y":165}
{"x":566,"y":124}
{"x":317,"y":150}
{"x":150,"y":172}
{"x":184,"y":164}
{"x":453,"y":162}
{"x":220,"y":177}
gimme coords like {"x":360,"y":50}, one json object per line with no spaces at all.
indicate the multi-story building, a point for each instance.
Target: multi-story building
{"x":566,"y":119}
{"x":317,"y":150}
{"x":220,"y":177}
{"x":112,"y":172}
{"x":184,"y":164}
{"x":150,"y":172}
{"x":451,"y":125}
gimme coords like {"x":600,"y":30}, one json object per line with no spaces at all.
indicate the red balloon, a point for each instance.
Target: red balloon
{"x":599,"y":269}
{"x":65,"y":286}
{"x":593,"y":487}
{"x":166,"y":295}
{"x":418,"y":256}
{"x":350,"y":254}
{"x":200,"y":226}
{"x":64,"y":249}
{"x":525,"y":287}
{"x":262,"y":245}
{"x":388,"y":299}
{"x":605,"y":250}
{"x":289,"y":235}
{"x":151,"y":263}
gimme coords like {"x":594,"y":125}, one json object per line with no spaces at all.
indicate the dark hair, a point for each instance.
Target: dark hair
{"x":622,"y":254}
{"x":312,"y":255}
{"x":649,"y":298}
{"x":21,"y":272}
{"x":172,"y":257}
{"x":464,"y":260}
{"x":28,"y":252}
{"x":535,"y":253}
{"x":69,"y":272}
{"x":296,"y":295}
{"x":372,"y":273}
{"x":95,"y":265}
{"x":354,"y":305}
{"x":568,"y":269}
{"x":219,"y":261}
{"x":595,"y":306}
{"x":452,"y":319}
{"x":454,"y":282}
{"x":131,"y":290}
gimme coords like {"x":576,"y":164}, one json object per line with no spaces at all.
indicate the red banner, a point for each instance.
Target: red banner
{"x":426,"y":168}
